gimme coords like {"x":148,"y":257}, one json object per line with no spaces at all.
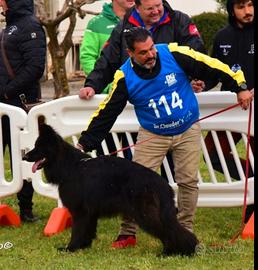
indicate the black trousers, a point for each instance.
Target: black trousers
{"x":26,"y":193}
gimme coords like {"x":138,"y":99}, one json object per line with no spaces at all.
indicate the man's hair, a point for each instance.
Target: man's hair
{"x":137,"y":2}
{"x":240,"y":1}
{"x":230,"y":4}
{"x":135,"y":34}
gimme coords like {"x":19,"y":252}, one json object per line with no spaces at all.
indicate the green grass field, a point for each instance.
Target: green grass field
{"x":214,"y":227}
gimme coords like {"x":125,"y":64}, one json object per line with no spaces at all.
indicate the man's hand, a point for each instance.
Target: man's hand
{"x":245,"y":98}
{"x":197,"y":85}
{"x":79,"y":146}
{"x":86,"y":92}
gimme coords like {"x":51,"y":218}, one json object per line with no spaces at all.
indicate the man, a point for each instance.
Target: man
{"x":24,"y":45}
{"x":155,"y":81}
{"x":165,"y":24}
{"x":96,"y":34}
{"x":234,"y":45}
{"x":98,"y":31}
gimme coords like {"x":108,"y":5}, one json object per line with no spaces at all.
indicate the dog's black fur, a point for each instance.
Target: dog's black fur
{"x":104,"y":186}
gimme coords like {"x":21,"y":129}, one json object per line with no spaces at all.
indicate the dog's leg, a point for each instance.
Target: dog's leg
{"x":148,"y":218}
{"x":162,"y":223}
{"x":83,"y":231}
{"x":92,"y":227}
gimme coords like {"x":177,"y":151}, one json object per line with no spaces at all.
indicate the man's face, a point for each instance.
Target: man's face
{"x":150,"y":11}
{"x":244,"y":13}
{"x":144,"y":53}
{"x":3,"y":6}
{"x":125,"y":4}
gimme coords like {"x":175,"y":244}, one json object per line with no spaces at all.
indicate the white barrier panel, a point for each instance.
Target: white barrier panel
{"x":18,"y":120}
{"x":70,"y":115}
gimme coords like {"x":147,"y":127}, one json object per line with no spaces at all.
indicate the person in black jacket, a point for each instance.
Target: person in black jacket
{"x":25,"y":47}
{"x":234,"y":45}
{"x":166,"y":25}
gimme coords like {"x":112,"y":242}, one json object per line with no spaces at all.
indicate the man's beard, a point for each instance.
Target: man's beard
{"x":146,"y":65}
{"x":246,"y":23}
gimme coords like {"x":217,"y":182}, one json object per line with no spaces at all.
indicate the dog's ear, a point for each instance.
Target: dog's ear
{"x":45,"y":129}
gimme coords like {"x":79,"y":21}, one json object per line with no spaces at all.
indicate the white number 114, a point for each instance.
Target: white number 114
{"x":175,"y":102}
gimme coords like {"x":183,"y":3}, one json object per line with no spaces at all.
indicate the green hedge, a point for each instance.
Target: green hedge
{"x":208,"y":23}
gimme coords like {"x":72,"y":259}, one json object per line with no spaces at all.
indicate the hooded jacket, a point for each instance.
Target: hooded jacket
{"x":235,"y":47}
{"x":96,"y":34}
{"x":25,"y":48}
{"x":174,"y":26}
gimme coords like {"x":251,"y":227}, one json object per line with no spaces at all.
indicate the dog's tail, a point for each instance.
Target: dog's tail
{"x":181,"y":241}
{"x":177,"y":239}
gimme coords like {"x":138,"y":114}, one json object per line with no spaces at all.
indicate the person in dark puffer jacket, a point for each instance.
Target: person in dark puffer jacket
{"x":234,"y":45}
{"x":25,"y":47}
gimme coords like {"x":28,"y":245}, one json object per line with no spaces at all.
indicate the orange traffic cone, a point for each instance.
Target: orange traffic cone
{"x":248,"y":231}
{"x":8,"y":217}
{"x":59,"y":220}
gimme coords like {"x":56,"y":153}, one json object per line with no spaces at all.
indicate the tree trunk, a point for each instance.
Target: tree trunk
{"x":58,"y":54}
{"x":59,"y":49}
{"x":58,"y":70}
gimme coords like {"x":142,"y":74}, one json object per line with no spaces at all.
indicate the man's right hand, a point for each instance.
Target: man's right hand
{"x":86,"y":92}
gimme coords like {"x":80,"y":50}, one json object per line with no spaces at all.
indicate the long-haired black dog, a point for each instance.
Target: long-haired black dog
{"x":104,"y":186}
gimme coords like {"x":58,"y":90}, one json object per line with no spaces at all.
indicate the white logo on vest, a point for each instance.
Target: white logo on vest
{"x":170,"y":79}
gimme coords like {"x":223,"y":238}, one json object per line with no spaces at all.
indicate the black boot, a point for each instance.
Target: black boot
{"x":25,"y":202}
{"x":27,"y":216}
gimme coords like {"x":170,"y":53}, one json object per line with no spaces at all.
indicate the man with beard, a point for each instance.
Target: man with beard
{"x":166,"y":25}
{"x":155,"y":81}
{"x":234,"y":45}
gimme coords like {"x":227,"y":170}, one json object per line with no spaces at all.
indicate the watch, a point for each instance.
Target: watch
{"x":243,"y":86}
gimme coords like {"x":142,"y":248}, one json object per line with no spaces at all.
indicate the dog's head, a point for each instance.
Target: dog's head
{"x":45,"y":149}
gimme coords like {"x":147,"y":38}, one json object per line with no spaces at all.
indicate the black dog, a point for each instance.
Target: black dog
{"x":104,"y":186}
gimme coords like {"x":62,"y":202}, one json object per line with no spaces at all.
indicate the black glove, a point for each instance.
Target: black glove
{"x":85,"y":143}
{"x":2,"y":97}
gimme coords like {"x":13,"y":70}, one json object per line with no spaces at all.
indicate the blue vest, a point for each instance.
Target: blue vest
{"x":166,"y":104}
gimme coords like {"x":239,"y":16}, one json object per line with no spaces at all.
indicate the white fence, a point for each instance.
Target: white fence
{"x":70,"y":115}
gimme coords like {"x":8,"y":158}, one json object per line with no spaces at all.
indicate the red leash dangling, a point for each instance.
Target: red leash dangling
{"x":246,"y":164}
{"x":246,"y":176}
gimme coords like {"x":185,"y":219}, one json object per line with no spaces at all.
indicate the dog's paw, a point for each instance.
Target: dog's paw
{"x":164,"y":254}
{"x":65,"y":249}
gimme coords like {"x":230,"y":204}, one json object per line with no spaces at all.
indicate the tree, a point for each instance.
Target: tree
{"x":59,"y":49}
{"x":222,"y":5}
{"x":208,"y":24}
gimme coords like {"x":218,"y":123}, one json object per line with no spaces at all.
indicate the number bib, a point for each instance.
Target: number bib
{"x":166,"y":104}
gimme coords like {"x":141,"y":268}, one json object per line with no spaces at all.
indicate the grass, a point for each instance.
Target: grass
{"x":31,"y":250}
{"x":213,"y":226}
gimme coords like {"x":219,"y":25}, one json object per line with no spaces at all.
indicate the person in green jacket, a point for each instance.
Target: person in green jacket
{"x":98,"y":31}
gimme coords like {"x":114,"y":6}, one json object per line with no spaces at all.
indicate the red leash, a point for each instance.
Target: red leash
{"x":200,"y":119}
{"x":234,"y":238}
{"x":246,"y":164}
